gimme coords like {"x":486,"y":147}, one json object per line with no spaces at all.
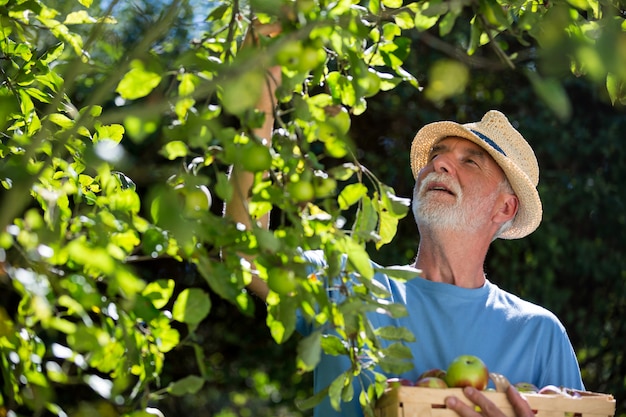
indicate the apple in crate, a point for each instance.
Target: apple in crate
{"x":467,"y":371}
{"x":399,"y":382}
{"x":526,"y":387}
{"x":436,"y":372}
{"x":431,"y":382}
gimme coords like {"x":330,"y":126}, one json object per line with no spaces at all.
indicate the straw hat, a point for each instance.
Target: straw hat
{"x":508,"y":148}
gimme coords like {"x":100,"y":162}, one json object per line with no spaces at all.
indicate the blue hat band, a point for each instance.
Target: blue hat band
{"x":489,"y":141}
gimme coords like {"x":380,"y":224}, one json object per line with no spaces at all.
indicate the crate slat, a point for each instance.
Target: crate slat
{"x":429,"y":402}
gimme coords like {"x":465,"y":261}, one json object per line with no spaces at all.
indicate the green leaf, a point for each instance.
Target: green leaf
{"x":395,"y":333}
{"x":341,"y":89}
{"x":113,"y":132}
{"x":312,"y":401}
{"x":394,"y":4}
{"x":493,"y":12}
{"x":187,"y":84}
{"x":226,"y":282}
{"x":390,"y":209}
{"x":395,"y":310}
{"x":61,"y":120}
{"x":344,"y":171}
{"x":79,"y":17}
{"x":366,"y":220}
{"x":8,"y":105}
{"x":551,"y":91}
{"x":404,"y":20}
{"x":374,"y":6}
{"x":398,"y":350}
{"x":396,"y":359}
{"x":424,"y":22}
{"x":138,"y":128}
{"x":242,"y":93}
{"x":341,"y":389}
{"x":138,"y":82}
{"x":358,"y":257}
{"x":399,"y":272}
{"x":348,"y":390}
{"x":125,"y":200}
{"x":159,"y":292}
{"x":333,"y":345}
{"x":376,"y":288}
{"x":188,"y":385}
{"x":475,"y":33}
{"x":447,"y":23}
{"x":192,"y":306}
{"x":335,"y":389}
{"x":223,"y":189}
{"x":175,"y":149}
{"x":616,"y":88}
{"x":388,"y":225}
{"x":281,"y":319}
{"x":166,"y":337}
{"x":351,"y":194}
{"x":309,"y":351}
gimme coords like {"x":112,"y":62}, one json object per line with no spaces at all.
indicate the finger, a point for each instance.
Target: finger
{"x":487,"y":408}
{"x":256,"y":29}
{"x":460,"y":407}
{"x":519,"y":403}
{"x":267,"y":29}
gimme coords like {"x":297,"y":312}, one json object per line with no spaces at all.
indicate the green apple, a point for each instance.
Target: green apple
{"x":526,"y":387}
{"x":255,"y":157}
{"x":324,"y":186}
{"x":281,"y":280}
{"x":198,"y":201}
{"x":467,"y":371}
{"x":431,"y":382}
{"x":301,"y":191}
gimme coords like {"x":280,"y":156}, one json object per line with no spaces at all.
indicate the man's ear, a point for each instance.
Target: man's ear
{"x":507,"y":209}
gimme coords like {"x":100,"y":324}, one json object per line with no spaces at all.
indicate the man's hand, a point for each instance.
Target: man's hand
{"x":487,"y":408}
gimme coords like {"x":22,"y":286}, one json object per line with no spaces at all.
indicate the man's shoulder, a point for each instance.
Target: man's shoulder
{"x":521,"y":309}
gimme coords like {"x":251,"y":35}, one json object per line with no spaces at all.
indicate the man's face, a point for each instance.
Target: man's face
{"x":458,"y":188}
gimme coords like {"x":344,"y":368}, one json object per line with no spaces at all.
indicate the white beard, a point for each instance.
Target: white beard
{"x":467,"y":213}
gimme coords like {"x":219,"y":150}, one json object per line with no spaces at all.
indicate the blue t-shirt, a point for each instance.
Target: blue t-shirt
{"x":521,"y":340}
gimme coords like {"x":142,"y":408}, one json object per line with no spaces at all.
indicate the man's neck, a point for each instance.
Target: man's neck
{"x":452,"y":257}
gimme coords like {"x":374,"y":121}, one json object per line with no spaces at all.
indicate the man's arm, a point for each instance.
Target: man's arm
{"x":489,"y":409}
{"x":242,"y":181}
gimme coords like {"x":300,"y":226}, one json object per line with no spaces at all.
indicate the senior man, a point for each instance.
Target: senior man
{"x":475,"y":182}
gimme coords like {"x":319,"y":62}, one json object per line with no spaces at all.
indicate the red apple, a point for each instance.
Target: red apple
{"x":431,"y":382}
{"x":399,"y":382}
{"x":436,"y":372}
{"x":572,"y":392}
{"x":551,"y":389}
{"x":467,"y":371}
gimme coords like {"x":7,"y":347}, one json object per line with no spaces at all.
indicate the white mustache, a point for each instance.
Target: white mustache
{"x":442,"y":178}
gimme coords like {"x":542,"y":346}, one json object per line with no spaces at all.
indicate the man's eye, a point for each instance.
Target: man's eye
{"x":471,"y":161}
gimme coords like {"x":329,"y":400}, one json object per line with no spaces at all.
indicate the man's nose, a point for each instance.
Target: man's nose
{"x":443,"y":163}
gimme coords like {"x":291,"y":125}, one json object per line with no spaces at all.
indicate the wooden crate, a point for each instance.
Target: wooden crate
{"x":429,"y":402}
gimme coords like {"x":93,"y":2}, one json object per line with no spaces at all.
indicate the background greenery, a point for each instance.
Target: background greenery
{"x":112,"y":303}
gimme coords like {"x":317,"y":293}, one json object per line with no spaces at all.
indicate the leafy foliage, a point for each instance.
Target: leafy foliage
{"x":82,"y":205}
